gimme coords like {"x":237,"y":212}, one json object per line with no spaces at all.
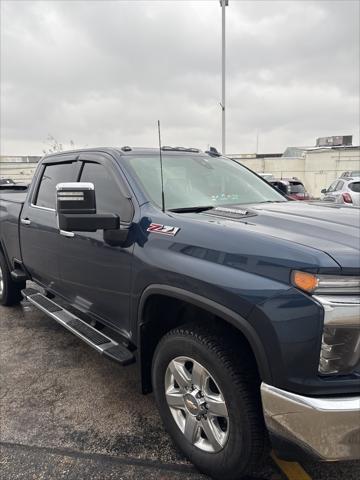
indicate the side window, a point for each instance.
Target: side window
{"x":52,"y":175}
{"x":109,"y":198}
{"x":355,"y":187}
{"x":339,"y":185}
{"x":332,"y":187}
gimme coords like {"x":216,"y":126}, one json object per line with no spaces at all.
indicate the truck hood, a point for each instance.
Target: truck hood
{"x":334,"y":230}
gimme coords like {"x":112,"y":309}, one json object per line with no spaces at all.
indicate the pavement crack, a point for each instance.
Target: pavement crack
{"x":102,"y":458}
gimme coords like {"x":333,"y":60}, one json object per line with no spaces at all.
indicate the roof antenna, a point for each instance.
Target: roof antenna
{"x":161,"y":172}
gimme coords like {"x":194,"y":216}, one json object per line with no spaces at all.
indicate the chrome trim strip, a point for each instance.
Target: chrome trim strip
{"x":77,"y":185}
{"x":327,"y":426}
{"x":340,"y":310}
{"x":42,"y":208}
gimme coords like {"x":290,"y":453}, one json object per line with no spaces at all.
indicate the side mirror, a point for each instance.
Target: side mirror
{"x":76,"y":209}
{"x":324,"y":190}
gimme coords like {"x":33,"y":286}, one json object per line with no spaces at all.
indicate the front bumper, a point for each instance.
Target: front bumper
{"x":327,"y":427}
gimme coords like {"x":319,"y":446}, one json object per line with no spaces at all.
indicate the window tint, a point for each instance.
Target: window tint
{"x":281,"y":186}
{"x":109,"y":198}
{"x":54,"y":174}
{"x":296,"y":187}
{"x":355,"y":187}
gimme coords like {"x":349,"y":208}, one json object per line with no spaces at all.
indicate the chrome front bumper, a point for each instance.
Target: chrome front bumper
{"x":328,"y":427}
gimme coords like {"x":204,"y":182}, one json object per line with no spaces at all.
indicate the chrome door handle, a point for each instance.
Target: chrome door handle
{"x":67,"y":234}
{"x":25,"y":221}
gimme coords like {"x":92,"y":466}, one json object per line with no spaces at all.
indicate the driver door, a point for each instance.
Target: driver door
{"x":96,"y":277}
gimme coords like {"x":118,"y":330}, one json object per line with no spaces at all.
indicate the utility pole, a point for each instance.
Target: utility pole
{"x":223,"y":3}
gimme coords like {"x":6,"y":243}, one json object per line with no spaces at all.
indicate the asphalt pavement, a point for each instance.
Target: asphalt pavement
{"x":66,"y":412}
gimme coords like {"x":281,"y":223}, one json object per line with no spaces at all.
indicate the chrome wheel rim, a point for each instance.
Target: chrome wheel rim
{"x":197,"y":404}
{"x":1,"y":282}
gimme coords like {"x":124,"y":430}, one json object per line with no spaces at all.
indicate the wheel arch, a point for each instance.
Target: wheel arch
{"x":170,"y":294}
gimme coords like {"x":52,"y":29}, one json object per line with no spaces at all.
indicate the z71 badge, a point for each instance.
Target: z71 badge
{"x":163,"y":229}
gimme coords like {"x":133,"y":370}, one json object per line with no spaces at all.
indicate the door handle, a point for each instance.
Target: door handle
{"x":25,"y":221}
{"x":67,"y":234}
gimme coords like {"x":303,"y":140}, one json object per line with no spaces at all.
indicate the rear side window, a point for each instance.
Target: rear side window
{"x":281,"y":186}
{"x":296,"y":187}
{"x":355,"y":187}
{"x":52,"y":175}
{"x":109,"y":198}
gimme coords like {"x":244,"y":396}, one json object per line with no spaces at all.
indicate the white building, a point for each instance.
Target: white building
{"x":317,"y":167}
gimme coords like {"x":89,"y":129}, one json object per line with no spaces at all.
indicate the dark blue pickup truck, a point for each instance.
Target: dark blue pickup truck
{"x":240,"y":307}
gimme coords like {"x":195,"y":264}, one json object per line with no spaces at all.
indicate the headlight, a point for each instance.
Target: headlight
{"x":340,"y":298}
{"x":326,"y":284}
{"x":340,"y":346}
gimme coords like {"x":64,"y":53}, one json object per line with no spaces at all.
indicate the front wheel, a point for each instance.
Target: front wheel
{"x":209,"y":402}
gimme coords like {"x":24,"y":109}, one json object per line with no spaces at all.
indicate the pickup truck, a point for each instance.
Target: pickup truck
{"x":239,"y":306}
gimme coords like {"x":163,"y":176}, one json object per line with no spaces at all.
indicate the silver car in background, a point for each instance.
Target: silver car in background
{"x":345,"y":190}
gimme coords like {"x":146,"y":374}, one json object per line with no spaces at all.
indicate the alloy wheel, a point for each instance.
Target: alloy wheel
{"x":197,"y":404}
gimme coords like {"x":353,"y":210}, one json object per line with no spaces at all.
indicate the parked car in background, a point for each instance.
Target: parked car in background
{"x":6,"y":181}
{"x":343,"y":190}
{"x":292,"y":187}
{"x":267,"y":176}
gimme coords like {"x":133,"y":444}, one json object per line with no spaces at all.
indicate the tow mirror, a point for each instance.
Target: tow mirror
{"x":76,"y":209}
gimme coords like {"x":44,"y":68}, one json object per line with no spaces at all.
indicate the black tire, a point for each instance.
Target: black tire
{"x":10,"y":291}
{"x":232,"y":368}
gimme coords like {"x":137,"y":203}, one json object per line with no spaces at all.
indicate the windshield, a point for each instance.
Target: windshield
{"x":199,"y":180}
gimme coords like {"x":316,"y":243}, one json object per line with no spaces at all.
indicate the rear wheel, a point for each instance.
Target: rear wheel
{"x":208,"y":398}
{"x":10,"y":291}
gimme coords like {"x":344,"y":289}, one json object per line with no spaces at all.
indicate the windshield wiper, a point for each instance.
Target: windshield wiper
{"x":191,"y":209}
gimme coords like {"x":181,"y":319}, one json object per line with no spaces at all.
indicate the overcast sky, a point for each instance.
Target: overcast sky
{"x":103,"y":72}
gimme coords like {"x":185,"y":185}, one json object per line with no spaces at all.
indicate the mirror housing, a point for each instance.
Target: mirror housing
{"x":76,"y":209}
{"x":324,"y":190}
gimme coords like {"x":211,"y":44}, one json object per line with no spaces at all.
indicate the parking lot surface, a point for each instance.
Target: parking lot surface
{"x":68,"y":413}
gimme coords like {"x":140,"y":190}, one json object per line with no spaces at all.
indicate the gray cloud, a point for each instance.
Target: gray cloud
{"x":103,"y":72}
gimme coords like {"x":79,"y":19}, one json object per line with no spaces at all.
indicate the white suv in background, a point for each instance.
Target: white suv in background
{"x":344,"y":190}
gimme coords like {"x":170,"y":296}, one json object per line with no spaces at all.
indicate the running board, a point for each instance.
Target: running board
{"x":100,"y":342}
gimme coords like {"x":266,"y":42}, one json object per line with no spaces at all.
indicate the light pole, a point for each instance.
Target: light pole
{"x":223,"y":3}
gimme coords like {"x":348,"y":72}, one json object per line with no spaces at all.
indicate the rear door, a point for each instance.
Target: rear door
{"x":39,"y":233}
{"x":95,"y":276}
{"x":354,"y":190}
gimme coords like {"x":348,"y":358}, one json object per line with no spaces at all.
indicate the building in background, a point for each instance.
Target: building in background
{"x":335,"y":141}
{"x":20,"y":169}
{"x":315,"y":166}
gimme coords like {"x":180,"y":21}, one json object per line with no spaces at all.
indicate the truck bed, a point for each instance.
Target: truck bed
{"x":13,"y":193}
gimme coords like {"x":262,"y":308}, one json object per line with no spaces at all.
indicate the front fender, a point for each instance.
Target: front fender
{"x":215,"y":308}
